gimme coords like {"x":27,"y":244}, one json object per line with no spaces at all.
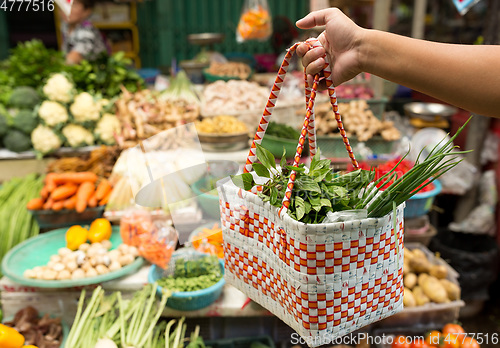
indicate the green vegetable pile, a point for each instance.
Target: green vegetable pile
{"x":193,"y":275}
{"x":16,"y":222}
{"x":282,"y":131}
{"x":319,"y":190}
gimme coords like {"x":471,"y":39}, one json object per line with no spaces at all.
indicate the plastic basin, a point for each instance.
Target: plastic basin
{"x":421,"y":203}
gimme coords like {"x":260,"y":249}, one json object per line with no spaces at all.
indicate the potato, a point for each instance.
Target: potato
{"x":419,"y":254}
{"x":410,"y":280}
{"x":408,"y":254}
{"x":420,"y":297}
{"x":420,"y":264}
{"x":421,"y":278}
{"x":408,"y":298}
{"x":433,"y":289}
{"x":406,"y":267}
{"x":452,"y":289}
{"x":438,"y":271}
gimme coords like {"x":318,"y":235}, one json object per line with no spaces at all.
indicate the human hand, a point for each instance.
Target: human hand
{"x":340,"y":40}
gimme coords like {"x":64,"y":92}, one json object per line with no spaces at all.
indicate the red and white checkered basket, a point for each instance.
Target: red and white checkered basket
{"x":323,"y":280}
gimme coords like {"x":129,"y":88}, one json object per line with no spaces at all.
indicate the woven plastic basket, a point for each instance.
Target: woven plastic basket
{"x":324,"y":280}
{"x":189,"y":300}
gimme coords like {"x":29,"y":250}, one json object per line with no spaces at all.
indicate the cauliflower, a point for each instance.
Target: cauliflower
{"x":58,"y":88}
{"x":45,"y":140}
{"x":52,"y":113}
{"x":107,"y":127}
{"x":84,"y":108}
{"x":102,"y":104}
{"x":77,"y":135}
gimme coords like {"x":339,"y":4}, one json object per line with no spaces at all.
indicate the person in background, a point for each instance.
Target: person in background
{"x":467,"y":76}
{"x":81,"y":40}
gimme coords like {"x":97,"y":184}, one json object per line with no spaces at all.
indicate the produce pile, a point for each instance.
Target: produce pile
{"x":209,"y":240}
{"x":193,"y":275}
{"x":16,"y":222}
{"x":401,"y":167}
{"x":452,"y":335}
{"x":238,"y":70}
{"x":282,"y":131}
{"x":222,"y":124}
{"x":426,"y":281}
{"x":71,"y":191}
{"x":359,"y":121}
{"x":354,"y":91}
{"x":234,"y":95}
{"x":29,"y":329}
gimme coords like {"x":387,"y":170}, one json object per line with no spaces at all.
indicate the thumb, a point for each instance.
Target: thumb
{"x":314,"y":19}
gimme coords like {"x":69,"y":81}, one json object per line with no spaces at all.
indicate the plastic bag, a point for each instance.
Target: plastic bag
{"x":463,"y":6}
{"x":255,"y":21}
{"x":154,"y":236}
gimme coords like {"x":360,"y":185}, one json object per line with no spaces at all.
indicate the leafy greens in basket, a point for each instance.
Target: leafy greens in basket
{"x":319,"y":190}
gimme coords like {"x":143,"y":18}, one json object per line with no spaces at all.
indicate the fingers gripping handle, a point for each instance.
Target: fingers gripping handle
{"x":308,"y":128}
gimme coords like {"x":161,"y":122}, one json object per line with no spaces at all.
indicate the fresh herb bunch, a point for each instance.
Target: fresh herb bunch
{"x":320,"y":190}
{"x":316,"y":191}
{"x":281,"y":130}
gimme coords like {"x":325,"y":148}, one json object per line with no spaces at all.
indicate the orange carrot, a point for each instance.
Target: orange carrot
{"x":49,"y":182}
{"x":93,"y":201}
{"x":85,"y":191}
{"x":35,"y":204}
{"x":48,"y":204}
{"x":75,"y":178}
{"x":58,"y":205}
{"x":70,"y":203}
{"x":44,"y":192}
{"x":105,"y":199}
{"x":64,"y":191}
{"x":102,"y":189}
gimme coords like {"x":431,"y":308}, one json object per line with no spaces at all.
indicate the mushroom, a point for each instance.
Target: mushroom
{"x":105,"y":260}
{"x":29,"y":273}
{"x":91,"y":272}
{"x":106,"y":244}
{"x":56,"y":258}
{"x":126,"y":259}
{"x":78,"y":274}
{"x":63,"y":275}
{"x":123,"y":248}
{"x":114,"y":254}
{"x":132,"y":250}
{"x":58,"y":266}
{"x":114,"y":265}
{"x":101,"y":269}
{"x":84,"y":247}
{"x":49,"y":274}
{"x":64,"y":251}
{"x":86,"y":266}
{"x":80,"y":258}
{"x":71,"y":266}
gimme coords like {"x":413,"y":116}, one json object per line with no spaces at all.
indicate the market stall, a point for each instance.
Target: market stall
{"x":227,"y":201}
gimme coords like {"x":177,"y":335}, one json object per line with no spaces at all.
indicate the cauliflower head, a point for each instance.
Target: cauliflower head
{"x":107,"y":127}
{"x":77,"y":135}
{"x":45,"y":140}
{"x":58,"y":88}
{"x":84,"y":108}
{"x":52,"y":113}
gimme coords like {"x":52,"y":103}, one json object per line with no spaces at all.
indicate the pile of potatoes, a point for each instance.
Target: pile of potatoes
{"x":89,"y":260}
{"x":425,"y":281}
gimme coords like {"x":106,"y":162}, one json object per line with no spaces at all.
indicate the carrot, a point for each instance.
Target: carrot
{"x":105,"y":198}
{"x":93,"y":201}
{"x":70,"y":203}
{"x":35,"y":204}
{"x":102,"y":189}
{"x":75,"y":178}
{"x":49,"y":182}
{"x":48,"y":204}
{"x":58,"y":205}
{"x":44,"y":192}
{"x":83,"y":194}
{"x":64,"y":191}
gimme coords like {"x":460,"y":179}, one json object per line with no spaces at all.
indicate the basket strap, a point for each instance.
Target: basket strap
{"x":311,"y":129}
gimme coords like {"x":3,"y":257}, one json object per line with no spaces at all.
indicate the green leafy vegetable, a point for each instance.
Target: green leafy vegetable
{"x":282,"y":131}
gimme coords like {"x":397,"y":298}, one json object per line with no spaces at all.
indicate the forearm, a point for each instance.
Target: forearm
{"x":463,"y":75}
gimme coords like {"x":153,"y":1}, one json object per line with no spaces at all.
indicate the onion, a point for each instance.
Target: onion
{"x":105,"y":343}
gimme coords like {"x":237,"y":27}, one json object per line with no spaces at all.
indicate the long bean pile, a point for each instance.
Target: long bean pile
{"x":16,"y":222}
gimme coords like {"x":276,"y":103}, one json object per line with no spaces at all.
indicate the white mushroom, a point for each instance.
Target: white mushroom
{"x":49,"y":274}
{"x":63,"y":275}
{"x":114,"y":254}
{"x":91,"y":272}
{"x":80,"y":258}
{"x":58,"y":267}
{"x":102,"y":251}
{"x":86,"y":266}
{"x":106,"y":244}
{"x":64,"y":251}
{"x":114,"y":265}
{"x":29,"y":273}
{"x":84,"y":247}
{"x":78,"y":274}
{"x":123,"y":248}
{"x":105,"y":260}
{"x":56,"y":258}
{"x":96,"y":245}
{"x":126,"y":259}
{"x":132,"y":250}
{"x":71,"y":266}
{"x":51,"y":264}
{"x":69,"y":258}
{"x":92,"y":252}
{"x":101,"y":269}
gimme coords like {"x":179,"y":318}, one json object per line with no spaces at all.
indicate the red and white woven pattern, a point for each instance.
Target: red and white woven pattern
{"x":323,"y":280}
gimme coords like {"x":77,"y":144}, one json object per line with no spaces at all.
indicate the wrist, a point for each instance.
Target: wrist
{"x":363,"y":49}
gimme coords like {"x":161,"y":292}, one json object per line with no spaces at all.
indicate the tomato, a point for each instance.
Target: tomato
{"x":401,"y":342}
{"x":453,"y":329}
{"x":470,"y":342}
{"x":419,"y":343}
{"x":433,"y":338}
{"x":451,"y":340}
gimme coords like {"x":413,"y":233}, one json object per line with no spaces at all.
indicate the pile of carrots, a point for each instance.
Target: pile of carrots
{"x":72,"y":191}
{"x":209,"y":240}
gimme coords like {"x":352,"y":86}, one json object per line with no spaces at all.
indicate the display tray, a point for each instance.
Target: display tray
{"x":37,"y":251}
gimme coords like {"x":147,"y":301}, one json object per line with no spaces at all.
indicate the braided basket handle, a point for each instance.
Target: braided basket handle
{"x":308,"y":126}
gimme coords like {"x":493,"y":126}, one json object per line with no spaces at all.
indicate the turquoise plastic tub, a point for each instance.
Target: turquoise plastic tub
{"x":189,"y":300}
{"x":421,"y":203}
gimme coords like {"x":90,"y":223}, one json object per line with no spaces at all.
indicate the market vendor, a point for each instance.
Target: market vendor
{"x":463,"y":75}
{"x":81,"y":40}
